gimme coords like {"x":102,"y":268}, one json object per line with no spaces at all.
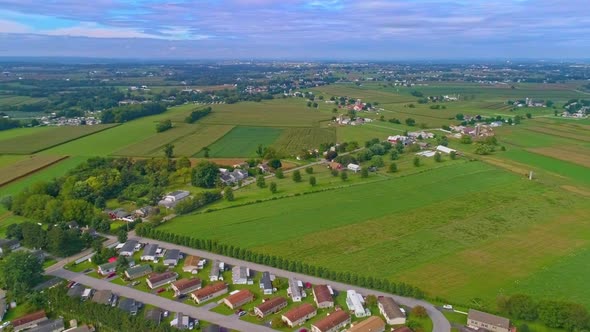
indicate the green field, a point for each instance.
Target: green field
{"x":243,"y":141}
{"x":25,"y":167}
{"x":293,"y":140}
{"x":11,"y":100}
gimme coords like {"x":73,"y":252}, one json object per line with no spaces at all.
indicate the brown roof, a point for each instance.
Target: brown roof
{"x":403,"y":329}
{"x":186,"y":283}
{"x":370,"y":324}
{"x":102,"y":296}
{"x":271,"y":303}
{"x":29,"y":318}
{"x":157,"y":277}
{"x":322,"y":293}
{"x":210,"y":289}
{"x":299,"y":312}
{"x":334,"y":319}
{"x":240,"y":296}
{"x":391,"y":308}
{"x":191,"y":260}
{"x":489,"y":319}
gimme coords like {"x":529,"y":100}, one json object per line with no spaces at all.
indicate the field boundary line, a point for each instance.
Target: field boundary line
{"x":33,"y":171}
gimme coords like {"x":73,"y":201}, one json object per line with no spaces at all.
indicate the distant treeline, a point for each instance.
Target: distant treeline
{"x":196,"y":115}
{"x":9,"y":124}
{"x":126,"y":113}
{"x":147,"y":230}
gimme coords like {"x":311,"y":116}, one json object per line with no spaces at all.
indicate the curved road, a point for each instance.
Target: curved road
{"x":439,"y":321}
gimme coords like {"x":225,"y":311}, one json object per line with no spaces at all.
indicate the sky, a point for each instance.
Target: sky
{"x":297,"y":29}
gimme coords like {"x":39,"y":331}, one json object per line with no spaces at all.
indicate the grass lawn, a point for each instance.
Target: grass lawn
{"x":243,"y":142}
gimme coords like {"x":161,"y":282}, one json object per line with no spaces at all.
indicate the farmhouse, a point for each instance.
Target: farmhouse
{"x":128,"y":248}
{"x":138,"y":271}
{"x":29,"y":321}
{"x":355,"y":303}
{"x":149,"y":252}
{"x":354,"y":167}
{"x":185,"y":286}
{"x":322,"y":295}
{"x":299,"y":315}
{"x":193,"y":264}
{"x":420,"y":134}
{"x":233,"y":177}
{"x":171,"y":199}
{"x":444,"y":149}
{"x":8,"y":244}
{"x":239,"y":299}
{"x":294,"y":290}
{"x":208,"y":292}
{"x":405,"y":140}
{"x":172,"y":257}
{"x":482,"y":320}
{"x":270,"y":306}
{"x":120,"y":214}
{"x":335,"y":321}
{"x":266,"y":283}
{"x":215,"y":273}
{"x":107,"y":268}
{"x":103,"y":297}
{"x":391,"y":311}
{"x":240,"y":275}
{"x":156,"y":280}
{"x":371,"y":324}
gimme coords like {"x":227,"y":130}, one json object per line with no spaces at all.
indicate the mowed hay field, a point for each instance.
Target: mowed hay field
{"x":243,"y":142}
{"x":293,"y":140}
{"x":490,"y":226}
{"x":38,"y":140}
{"x":25,"y":167}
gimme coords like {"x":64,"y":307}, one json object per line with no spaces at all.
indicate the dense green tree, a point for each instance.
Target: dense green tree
{"x":364,"y":173}
{"x":453,"y":155}
{"x":163,"y":125}
{"x":309,"y":170}
{"x":260,"y":181}
{"x":296,"y":176}
{"x":416,"y":161}
{"x":20,"y":271}
{"x":169,"y":150}
{"x":437,"y":157}
{"x":392,"y":168}
{"x":228,"y":193}
{"x":312,"y":181}
{"x":279,"y":173}
{"x":205,"y":175}
{"x":343,"y":176}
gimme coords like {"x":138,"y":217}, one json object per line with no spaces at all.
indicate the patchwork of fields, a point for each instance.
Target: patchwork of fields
{"x":243,"y":142}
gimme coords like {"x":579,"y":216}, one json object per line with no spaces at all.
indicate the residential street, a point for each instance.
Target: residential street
{"x":201,"y":313}
{"x":440,"y":323}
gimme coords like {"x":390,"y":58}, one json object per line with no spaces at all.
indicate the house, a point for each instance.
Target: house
{"x":208,"y":292}
{"x":371,"y":324}
{"x":270,"y":306}
{"x":171,"y":199}
{"x":107,"y":268}
{"x":87,"y":293}
{"x":149,"y":252}
{"x":120,"y":214}
{"x":212,"y":328}
{"x":128,"y":248}
{"x":102,"y":297}
{"x":444,"y":149}
{"x":482,"y":320}
{"x":405,"y":140}
{"x":233,"y":177}
{"x":299,"y":315}
{"x":193,"y":264}
{"x":138,"y":271}
{"x":420,"y":134}
{"x":154,"y":314}
{"x":354,"y":167}
{"x":130,"y":306}
{"x":391,"y":311}
{"x":355,"y":303}
{"x":239,"y":298}
{"x":156,"y":280}
{"x":335,"y":321}
{"x":322,"y":295}
{"x":403,"y":329}
{"x":54,"y":325}
{"x":3,"y":308}
{"x":91,"y":231}
{"x":215,"y":273}
{"x":172,"y":257}
{"x":83,"y":328}
{"x":76,"y":291}
{"x":266,"y":283}
{"x":8,"y":245}
{"x":294,"y":290}
{"x":335,"y":165}
{"x":180,"y":321}
{"x":29,"y":321}
{"x":240,"y":275}
{"x":264,"y":168}
{"x":185,"y":286}
{"x":145,"y":211}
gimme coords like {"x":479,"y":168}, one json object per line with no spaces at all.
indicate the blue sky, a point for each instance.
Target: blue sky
{"x":297,"y":29}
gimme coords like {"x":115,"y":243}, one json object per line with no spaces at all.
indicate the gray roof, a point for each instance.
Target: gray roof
{"x":172,"y":254}
{"x":8,"y":242}
{"x":212,"y":328}
{"x":391,"y":309}
{"x":129,"y":246}
{"x":76,"y":291}
{"x":49,"y":326}
{"x":102,"y":296}
{"x":128,"y":305}
{"x":265,"y":280}
{"x":489,"y":319}
{"x":150,"y":249}
{"x":294,"y":288}
{"x":155,"y":315}
{"x":239,"y":272}
{"x":214,"y":269}
{"x":138,"y":271}
{"x":179,"y":194}
{"x":48,"y":284}
{"x":108,"y":266}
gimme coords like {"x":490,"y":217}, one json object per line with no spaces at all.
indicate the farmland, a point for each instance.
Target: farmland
{"x":243,"y":141}
{"x":293,"y":140}
{"x":25,"y":167}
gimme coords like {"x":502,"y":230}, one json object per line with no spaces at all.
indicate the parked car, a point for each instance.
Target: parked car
{"x":448,"y":307}
{"x":112,"y":274}
{"x":135,"y":283}
{"x":242,"y":313}
{"x":5,"y":324}
{"x":70,"y":284}
{"x":161,"y":290}
{"x":114,"y":301}
{"x":166,"y":313}
{"x":191,"y":325}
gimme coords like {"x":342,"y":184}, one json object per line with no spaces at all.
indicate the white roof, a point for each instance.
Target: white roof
{"x":353,"y":166}
{"x":355,"y":302}
{"x":445,"y":149}
{"x":427,"y":153}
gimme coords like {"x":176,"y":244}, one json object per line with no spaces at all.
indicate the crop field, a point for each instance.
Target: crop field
{"x":10,"y":100}
{"x":152,"y":146}
{"x":403,"y":228}
{"x":243,"y":141}
{"x":8,"y":159}
{"x":293,"y":140}
{"x":369,"y":131}
{"x":271,"y":113}
{"x":41,"y":140}
{"x":25,"y":167}
{"x":369,"y":94}
{"x":204,"y":135}
{"x":576,"y":155}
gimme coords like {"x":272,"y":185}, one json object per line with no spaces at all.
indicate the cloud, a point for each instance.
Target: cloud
{"x":7,"y":26}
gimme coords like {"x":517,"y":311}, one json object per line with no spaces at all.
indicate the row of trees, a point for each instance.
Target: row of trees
{"x":196,"y":115}
{"x":129,"y":112}
{"x":147,"y":230}
{"x":6,"y":124}
{"x":163,"y":125}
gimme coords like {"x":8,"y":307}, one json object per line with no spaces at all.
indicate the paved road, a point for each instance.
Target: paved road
{"x":60,"y":264}
{"x":440,"y":323}
{"x":203,"y":313}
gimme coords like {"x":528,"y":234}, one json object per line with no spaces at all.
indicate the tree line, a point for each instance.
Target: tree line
{"x":59,"y":240}
{"x":198,"y":114}
{"x":385,"y":285}
{"x":126,"y":113}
